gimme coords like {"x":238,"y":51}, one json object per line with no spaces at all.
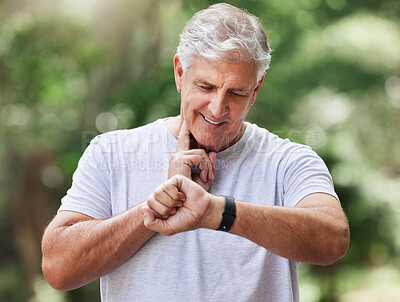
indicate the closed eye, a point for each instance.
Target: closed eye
{"x":208,"y":88}
{"x":238,"y":94}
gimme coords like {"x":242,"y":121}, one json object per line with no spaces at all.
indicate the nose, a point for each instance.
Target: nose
{"x":217,"y":105}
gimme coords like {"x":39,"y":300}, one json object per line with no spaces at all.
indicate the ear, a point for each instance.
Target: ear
{"x":257,"y":89}
{"x":178,"y":72}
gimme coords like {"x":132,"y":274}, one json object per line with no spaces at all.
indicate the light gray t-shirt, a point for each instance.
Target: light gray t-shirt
{"x":121,"y":169}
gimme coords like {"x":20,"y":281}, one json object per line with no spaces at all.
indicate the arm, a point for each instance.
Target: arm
{"x":78,"y":249}
{"x":315,"y":231}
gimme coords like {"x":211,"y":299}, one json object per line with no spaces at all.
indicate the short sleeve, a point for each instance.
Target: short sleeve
{"x":305,"y":174}
{"x":90,"y":190}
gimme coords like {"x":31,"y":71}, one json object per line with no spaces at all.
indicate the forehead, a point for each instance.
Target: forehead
{"x":241,"y":74}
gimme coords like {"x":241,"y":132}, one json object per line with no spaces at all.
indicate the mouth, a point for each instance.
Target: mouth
{"x":210,"y":121}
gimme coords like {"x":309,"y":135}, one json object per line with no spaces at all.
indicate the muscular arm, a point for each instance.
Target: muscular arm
{"x":78,"y":249}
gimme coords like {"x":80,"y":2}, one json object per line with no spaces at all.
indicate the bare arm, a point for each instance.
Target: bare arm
{"x":315,"y":231}
{"x":78,"y":249}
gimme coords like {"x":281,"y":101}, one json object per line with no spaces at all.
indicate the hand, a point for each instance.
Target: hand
{"x":198,"y":209}
{"x":184,"y":159}
{"x":165,"y":200}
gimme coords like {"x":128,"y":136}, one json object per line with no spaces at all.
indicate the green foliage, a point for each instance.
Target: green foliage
{"x":11,"y":282}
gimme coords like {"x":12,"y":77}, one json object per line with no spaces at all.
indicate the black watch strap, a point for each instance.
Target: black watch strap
{"x":229,"y":214}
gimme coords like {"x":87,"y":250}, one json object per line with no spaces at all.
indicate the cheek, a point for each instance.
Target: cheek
{"x":186,"y":102}
{"x":239,"y":112}
{"x":190,"y":103}
{"x":195,"y":101}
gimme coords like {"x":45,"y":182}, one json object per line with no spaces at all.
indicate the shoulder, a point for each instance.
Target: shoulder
{"x":128,"y":139}
{"x":264,"y":146}
{"x":122,"y":134}
{"x":264,"y":141}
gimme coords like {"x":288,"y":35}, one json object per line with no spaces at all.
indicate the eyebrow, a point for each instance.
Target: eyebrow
{"x":205,"y":83}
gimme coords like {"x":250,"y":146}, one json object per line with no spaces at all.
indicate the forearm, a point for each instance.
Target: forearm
{"x":75,"y":254}
{"x":316,"y":235}
{"x":315,"y":231}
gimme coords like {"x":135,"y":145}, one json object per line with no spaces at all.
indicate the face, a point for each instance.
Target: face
{"x":215,"y":100}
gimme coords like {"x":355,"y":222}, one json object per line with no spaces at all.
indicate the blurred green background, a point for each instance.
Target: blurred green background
{"x":71,"y":69}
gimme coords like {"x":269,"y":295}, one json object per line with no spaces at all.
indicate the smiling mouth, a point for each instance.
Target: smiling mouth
{"x":209,"y":121}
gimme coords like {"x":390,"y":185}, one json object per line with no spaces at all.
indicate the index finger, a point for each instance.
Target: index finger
{"x":183,"y":138}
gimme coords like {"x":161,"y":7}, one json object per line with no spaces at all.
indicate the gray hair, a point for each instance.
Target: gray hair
{"x":224,"y":33}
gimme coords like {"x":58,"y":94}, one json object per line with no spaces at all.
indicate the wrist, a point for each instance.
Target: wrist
{"x":214,"y":213}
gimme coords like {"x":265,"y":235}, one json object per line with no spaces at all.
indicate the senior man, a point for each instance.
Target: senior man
{"x":202,"y":206}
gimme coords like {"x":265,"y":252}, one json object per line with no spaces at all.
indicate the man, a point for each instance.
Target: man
{"x":133,"y":187}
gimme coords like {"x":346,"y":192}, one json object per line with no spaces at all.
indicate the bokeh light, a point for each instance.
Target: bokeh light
{"x":106,"y":121}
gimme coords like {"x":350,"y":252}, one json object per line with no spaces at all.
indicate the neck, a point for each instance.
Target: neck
{"x":174,"y":125}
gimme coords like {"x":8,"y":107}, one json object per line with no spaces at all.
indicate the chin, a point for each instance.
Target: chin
{"x":204,"y":142}
{"x":211,"y":144}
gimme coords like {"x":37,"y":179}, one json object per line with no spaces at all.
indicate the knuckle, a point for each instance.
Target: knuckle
{"x":164,"y":186}
{"x":173,"y":157}
{"x":157,"y":194}
{"x":150,"y":199}
{"x":180,"y":162}
{"x":177,"y":155}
